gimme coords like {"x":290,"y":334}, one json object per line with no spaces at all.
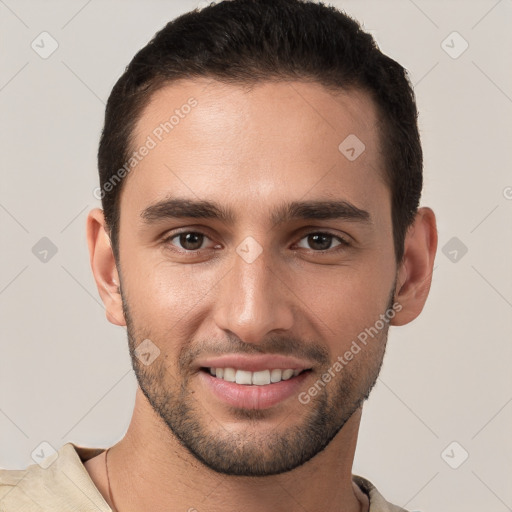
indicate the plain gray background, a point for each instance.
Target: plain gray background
{"x":65,"y":373}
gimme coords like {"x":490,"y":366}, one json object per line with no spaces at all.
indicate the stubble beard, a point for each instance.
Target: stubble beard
{"x":252,"y":451}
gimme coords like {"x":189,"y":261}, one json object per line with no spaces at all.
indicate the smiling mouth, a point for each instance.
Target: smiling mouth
{"x":259,"y":378}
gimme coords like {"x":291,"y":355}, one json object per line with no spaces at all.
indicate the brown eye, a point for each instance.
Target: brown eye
{"x":322,"y":241}
{"x":189,"y":241}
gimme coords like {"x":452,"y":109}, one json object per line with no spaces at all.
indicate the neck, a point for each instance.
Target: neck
{"x":150,"y":470}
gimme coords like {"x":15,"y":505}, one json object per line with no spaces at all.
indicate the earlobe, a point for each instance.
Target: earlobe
{"x":415,"y":272}
{"x":104,"y":267}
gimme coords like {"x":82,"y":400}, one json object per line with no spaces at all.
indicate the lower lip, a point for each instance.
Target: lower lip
{"x":245,"y":396}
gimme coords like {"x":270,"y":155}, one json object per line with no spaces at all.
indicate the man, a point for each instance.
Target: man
{"x":260,"y":176}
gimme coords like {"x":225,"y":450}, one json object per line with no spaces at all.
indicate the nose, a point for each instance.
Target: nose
{"x":253,"y":299}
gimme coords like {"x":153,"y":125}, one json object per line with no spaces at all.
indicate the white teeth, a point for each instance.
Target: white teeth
{"x":243,"y":377}
{"x":287,"y":374}
{"x":275,"y":375}
{"x":260,"y":378}
{"x":229,"y":374}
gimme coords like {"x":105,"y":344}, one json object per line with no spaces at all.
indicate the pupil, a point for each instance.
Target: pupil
{"x":193,"y":239}
{"x":326,"y":241}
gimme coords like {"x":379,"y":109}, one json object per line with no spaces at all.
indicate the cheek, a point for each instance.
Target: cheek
{"x":346,"y":317}
{"x":347,"y":301}
{"x":166,"y":295}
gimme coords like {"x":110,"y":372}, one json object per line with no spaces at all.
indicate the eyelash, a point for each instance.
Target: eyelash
{"x":343,"y":242}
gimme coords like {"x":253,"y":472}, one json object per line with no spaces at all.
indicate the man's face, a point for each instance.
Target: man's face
{"x":247,"y":292}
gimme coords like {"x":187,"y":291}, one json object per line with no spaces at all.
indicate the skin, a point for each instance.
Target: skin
{"x":251,"y":151}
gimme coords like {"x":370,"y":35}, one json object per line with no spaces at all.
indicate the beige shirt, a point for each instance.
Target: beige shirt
{"x":65,"y":486}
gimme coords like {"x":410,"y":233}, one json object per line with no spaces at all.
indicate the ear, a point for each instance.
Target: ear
{"x":104,"y":267}
{"x":415,"y":271}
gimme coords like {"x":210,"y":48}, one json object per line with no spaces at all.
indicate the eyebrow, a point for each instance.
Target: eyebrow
{"x":176,"y":208}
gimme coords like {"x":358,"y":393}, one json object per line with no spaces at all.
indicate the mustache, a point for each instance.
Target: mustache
{"x":232,"y":344}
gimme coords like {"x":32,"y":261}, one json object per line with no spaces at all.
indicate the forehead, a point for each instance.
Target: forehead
{"x":221,"y":110}
{"x":215,"y":141}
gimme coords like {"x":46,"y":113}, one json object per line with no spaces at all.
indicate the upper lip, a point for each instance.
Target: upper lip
{"x":254,"y":363}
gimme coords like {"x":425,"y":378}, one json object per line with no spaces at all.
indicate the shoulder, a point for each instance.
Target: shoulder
{"x":24,"y":490}
{"x":12,"y":496}
{"x":59,"y":483}
{"x":377,"y":501}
